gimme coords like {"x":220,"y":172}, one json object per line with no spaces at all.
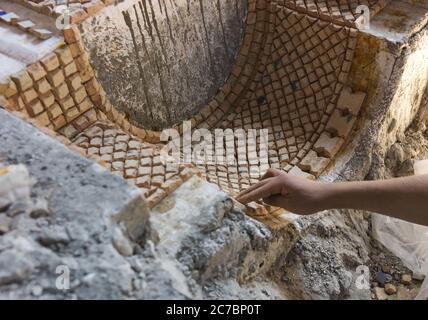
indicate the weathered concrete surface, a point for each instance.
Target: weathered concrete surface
{"x":217,"y":245}
{"x":395,"y":78}
{"x":198,"y":246}
{"x":160,"y":61}
{"x":81,"y":204}
{"x":86,"y":219}
{"x":324,"y":264}
{"x":334,"y":244}
{"x":399,"y":20}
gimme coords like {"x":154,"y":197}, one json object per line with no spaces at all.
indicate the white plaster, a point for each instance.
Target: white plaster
{"x":9,"y":66}
{"x":25,"y":47}
{"x":398,"y":21}
{"x":177,"y":222}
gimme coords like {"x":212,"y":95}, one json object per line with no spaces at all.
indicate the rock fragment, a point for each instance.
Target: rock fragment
{"x":14,"y":267}
{"x":390,"y":289}
{"x":406,"y":279}
{"x":121,"y":243}
{"x":380,"y":293}
{"x":5,"y":223}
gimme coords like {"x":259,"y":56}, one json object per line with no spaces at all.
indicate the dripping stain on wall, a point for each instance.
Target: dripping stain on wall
{"x":171,"y":56}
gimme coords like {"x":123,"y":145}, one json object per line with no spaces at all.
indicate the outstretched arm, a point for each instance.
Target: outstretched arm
{"x":403,"y":198}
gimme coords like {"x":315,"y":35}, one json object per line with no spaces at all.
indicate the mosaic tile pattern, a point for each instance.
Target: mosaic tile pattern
{"x":79,"y":9}
{"x":341,"y":12}
{"x":289,"y":77}
{"x":61,"y":92}
{"x":292,"y":90}
{"x":56,"y":92}
{"x":25,"y":25}
{"x":137,"y":161}
{"x":140,"y":164}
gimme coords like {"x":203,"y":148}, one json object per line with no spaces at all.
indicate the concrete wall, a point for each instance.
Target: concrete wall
{"x":159,"y":60}
{"x":395,"y":79}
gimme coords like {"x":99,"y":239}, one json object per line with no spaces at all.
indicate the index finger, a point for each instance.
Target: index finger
{"x":264,"y":191}
{"x":252,"y":187}
{"x":270,"y":173}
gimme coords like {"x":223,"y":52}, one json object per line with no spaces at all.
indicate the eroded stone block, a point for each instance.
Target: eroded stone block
{"x":351,"y":101}
{"x":340,"y":124}
{"x":22,"y":80}
{"x":36,"y":71}
{"x":296,"y":171}
{"x":327,"y":146}
{"x":313,"y":164}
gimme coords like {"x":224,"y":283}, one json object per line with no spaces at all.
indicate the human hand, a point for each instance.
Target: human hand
{"x":279,"y":189}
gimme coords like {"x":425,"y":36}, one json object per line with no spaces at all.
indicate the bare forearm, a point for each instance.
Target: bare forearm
{"x":404,"y":198}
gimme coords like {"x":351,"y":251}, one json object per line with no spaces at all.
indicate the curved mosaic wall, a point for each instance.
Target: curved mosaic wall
{"x":289,"y":77}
